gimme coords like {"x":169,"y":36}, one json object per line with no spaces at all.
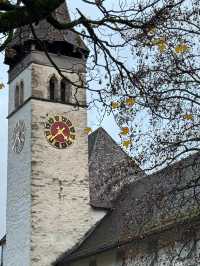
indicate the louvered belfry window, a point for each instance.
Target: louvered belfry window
{"x":19,"y":94}
{"x":65,"y":91}
{"x":52,"y":88}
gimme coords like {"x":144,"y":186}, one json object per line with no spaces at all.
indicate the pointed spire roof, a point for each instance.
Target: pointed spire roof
{"x":110,"y":169}
{"x":62,"y":41}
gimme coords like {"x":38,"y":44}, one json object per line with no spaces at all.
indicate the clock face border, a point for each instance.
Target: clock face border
{"x":59,"y":132}
{"x":18,"y":137}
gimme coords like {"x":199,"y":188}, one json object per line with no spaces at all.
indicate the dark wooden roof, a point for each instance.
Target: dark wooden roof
{"x":65,"y":41}
{"x":110,"y":169}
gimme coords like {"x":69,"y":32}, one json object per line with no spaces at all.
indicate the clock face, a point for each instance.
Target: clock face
{"x":59,"y":132}
{"x":18,"y":136}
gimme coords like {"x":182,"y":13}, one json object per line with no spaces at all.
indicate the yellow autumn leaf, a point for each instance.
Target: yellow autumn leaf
{"x":88,"y":130}
{"x":158,"y":41}
{"x":151,"y":30}
{"x":188,"y":117}
{"x":162,"y":47}
{"x":161,"y":43}
{"x":115,"y":105}
{"x":126,"y":143}
{"x":124,"y":131}
{"x":130,"y":101}
{"x":2,"y":86}
{"x":181,"y":48}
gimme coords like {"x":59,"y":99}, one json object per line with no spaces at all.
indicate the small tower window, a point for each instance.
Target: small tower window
{"x":21,"y":93}
{"x":52,"y":88}
{"x":17,"y":95}
{"x":65,"y":91}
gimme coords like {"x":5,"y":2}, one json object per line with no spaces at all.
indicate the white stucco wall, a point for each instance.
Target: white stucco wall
{"x":18,"y":220}
{"x":26,"y":77}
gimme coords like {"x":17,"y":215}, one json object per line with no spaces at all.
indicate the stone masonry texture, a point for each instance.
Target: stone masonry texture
{"x":48,"y":210}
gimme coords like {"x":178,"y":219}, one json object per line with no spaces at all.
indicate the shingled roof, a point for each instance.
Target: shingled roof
{"x":66,"y":40}
{"x":148,"y":205}
{"x":110,"y":169}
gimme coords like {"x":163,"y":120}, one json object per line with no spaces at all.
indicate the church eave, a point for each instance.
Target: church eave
{"x":58,"y":47}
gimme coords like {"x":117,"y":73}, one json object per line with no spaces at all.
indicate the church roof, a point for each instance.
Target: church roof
{"x":100,"y":140}
{"x":110,"y":169}
{"x":23,"y":37}
{"x":146,"y":206}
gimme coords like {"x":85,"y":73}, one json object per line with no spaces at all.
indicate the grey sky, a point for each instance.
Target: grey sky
{"x":93,"y":117}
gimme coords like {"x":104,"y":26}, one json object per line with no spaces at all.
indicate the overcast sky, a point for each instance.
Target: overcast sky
{"x":93,"y":117}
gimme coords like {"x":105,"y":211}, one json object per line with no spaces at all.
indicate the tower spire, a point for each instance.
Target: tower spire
{"x":64,"y":42}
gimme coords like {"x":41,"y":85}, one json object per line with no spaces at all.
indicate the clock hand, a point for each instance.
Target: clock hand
{"x":60,"y":132}
{"x":64,"y":136}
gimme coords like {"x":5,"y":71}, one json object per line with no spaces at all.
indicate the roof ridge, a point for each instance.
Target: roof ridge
{"x":92,"y":135}
{"x":113,"y":141}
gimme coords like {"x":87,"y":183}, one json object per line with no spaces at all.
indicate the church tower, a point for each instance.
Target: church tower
{"x":48,"y":210}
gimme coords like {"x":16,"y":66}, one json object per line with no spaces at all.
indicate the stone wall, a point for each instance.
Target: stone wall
{"x":61,"y":213}
{"x":48,"y":210}
{"x":41,"y":76}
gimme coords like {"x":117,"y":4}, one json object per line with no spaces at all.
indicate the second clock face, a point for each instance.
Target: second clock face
{"x":59,"y":132}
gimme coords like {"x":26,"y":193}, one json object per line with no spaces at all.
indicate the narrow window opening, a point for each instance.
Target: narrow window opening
{"x":65,"y":91}
{"x":21,"y":96}
{"x":17,"y":95}
{"x":52,"y":88}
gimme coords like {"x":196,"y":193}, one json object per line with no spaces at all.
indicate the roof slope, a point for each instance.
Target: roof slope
{"x":46,"y":32}
{"x":65,"y":42}
{"x":110,"y":169}
{"x":146,"y":206}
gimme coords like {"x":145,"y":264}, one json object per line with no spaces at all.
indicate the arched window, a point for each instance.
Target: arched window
{"x":21,"y":93}
{"x":52,"y":88}
{"x":17,"y":95}
{"x":65,"y":91}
